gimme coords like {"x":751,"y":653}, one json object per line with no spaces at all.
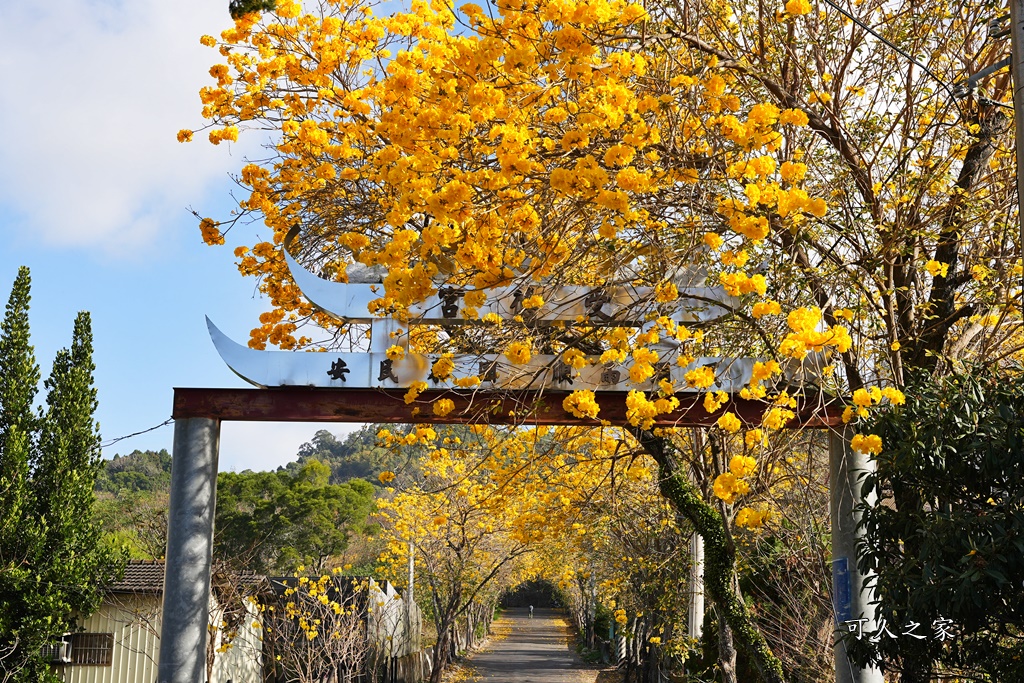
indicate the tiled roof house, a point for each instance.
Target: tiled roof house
{"x":120,"y":642}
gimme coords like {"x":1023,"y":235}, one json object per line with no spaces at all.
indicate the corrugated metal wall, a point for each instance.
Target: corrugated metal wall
{"x":135,"y":623}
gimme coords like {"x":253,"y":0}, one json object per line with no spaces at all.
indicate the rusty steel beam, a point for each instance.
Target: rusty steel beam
{"x":302,"y":404}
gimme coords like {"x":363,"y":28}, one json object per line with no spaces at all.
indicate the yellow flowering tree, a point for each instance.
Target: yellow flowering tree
{"x":627,"y":553}
{"x":469,"y":525}
{"x":315,"y":627}
{"x":498,"y":507}
{"x":862,"y":233}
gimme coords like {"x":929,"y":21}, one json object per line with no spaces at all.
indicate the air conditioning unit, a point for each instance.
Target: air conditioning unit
{"x":57,"y":653}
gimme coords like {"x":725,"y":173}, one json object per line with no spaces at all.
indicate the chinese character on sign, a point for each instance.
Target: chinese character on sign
{"x":594,"y":302}
{"x":488,"y":371}
{"x":386,"y":371}
{"x":561,"y":373}
{"x":449,"y":301}
{"x":338,"y":370}
{"x":610,"y":376}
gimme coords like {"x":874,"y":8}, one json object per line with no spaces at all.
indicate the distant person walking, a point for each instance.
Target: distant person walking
{"x":531,"y":611}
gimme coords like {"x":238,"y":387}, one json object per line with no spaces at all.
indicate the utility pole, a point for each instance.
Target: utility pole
{"x":1017,"y":73}
{"x":412,"y":640}
{"x":695,"y":613}
{"x":412,"y":570}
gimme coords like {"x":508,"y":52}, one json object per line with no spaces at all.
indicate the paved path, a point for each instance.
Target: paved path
{"x":525,"y":650}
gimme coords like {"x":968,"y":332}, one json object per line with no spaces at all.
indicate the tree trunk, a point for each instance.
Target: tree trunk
{"x":441,"y":653}
{"x":719,"y":557}
{"x":726,"y":651}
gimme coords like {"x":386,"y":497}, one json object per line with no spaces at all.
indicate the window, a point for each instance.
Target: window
{"x":92,"y":649}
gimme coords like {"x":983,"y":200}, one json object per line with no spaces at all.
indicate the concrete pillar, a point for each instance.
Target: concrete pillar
{"x":409,"y":638}
{"x":412,"y":572}
{"x":847,"y":469}
{"x":695,"y":615}
{"x":189,"y":551}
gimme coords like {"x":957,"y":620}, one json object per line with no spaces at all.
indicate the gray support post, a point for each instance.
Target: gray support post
{"x":847,"y":469}
{"x":409,"y":604}
{"x":1017,"y":78}
{"x":412,"y":571}
{"x":186,"y":603}
{"x":695,"y":614}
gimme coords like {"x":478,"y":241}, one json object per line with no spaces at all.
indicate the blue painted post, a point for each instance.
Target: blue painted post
{"x":847,"y":469}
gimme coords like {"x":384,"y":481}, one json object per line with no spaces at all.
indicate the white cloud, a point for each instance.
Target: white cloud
{"x":94,"y":94}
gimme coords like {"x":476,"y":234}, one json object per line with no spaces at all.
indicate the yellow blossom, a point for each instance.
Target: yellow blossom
{"x":749,"y":518}
{"x":443,"y":406}
{"x":728,"y":487}
{"x":763,"y":308}
{"x":729,"y":423}
{"x":862,"y":398}
{"x":518,"y":353}
{"x":894,"y":395}
{"x":713,"y":240}
{"x":742,"y":465}
{"x":936,"y":269}
{"x":792,"y":171}
{"x":443,"y":367}
{"x":574,"y":358}
{"x":701,"y":378}
{"x":794,"y":117}
{"x":871,"y":443}
{"x":582,"y":404}
{"x":763,"y":370}
{"x":211,"y":235}
{"x":665,"y":292}
{"x":415,"y":389}
{"x":777,"y":418}
{"x":713,"y":400}
{"x":804,"y":319}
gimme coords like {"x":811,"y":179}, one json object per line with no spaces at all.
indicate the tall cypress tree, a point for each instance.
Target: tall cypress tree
{"x":69,"y":449}
{"x":52,"y":564}
{"x":65,"y":474}
{"x":19,"y":377}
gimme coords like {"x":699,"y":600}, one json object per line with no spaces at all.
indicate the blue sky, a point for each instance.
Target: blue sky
{"x":94,"y":197}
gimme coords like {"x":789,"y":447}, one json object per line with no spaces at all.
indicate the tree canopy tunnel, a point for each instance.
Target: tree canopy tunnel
{"x":536,"y":592}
